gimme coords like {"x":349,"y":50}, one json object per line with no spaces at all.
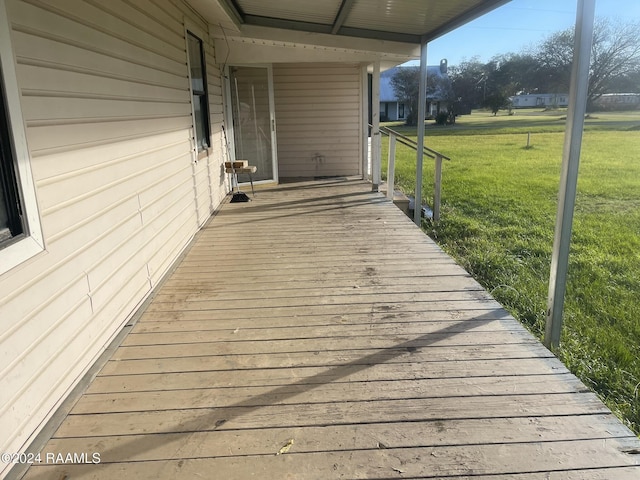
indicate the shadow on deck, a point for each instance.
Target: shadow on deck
{"x":316,"y":333}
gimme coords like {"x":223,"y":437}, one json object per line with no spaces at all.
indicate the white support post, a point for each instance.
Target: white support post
{"x":376,"y":167}
{"x":422,"y":104}
{"x":391,"y":166}
{"x":570,"y":162}
{"x":364,"y":131}
{"x":437,"y":189}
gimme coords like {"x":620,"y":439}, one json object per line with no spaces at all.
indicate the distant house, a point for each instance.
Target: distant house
{"x":537,"y":100}
{"x":618,"y":101}
{"x":392,"y":109}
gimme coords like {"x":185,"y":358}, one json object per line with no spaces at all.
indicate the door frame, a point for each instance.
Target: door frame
{"x":228,"y":116}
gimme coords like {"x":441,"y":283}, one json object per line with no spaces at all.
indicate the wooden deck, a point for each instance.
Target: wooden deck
{"x":316,"y":333}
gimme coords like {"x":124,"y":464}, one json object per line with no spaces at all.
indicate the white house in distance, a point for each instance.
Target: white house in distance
{"x":618,"y":101}
{"x":607,"y":101}
{"x":391,"y":109}
{"x":540,"y":100}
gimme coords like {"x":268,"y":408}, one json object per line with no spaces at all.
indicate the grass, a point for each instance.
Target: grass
{"x":499,"y":203}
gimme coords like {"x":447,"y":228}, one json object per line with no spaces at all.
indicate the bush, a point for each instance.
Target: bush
{"x":442,"y":118}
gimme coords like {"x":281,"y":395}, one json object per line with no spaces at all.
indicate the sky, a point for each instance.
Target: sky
{"x":518,"y":25}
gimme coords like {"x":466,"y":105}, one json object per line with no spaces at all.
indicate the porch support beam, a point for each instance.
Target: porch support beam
{"x":364,"y":113}
{"x":233,"y":11}
{"x":569,"y":178}
{"x":376,"y":160}
{"x":326,"y":28}
{"x":343,"y":13}
{"x":422,"y":104}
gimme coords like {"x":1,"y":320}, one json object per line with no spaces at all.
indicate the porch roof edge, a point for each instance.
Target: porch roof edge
{"x":259,"y":44}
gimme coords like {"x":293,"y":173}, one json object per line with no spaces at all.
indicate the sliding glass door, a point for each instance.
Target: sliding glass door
{"x":251,"y":90}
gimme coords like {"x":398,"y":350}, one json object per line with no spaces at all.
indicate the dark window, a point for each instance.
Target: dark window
{"x":199,"y":91}
{"x":401,"y":110}
{"x":11,"y":223}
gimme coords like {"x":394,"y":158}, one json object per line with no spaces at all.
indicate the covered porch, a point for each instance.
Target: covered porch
{"x":316,"y":332}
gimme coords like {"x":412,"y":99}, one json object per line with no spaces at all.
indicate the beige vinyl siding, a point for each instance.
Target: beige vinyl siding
{"x":318,"y":109}
{"x":106,"y":101}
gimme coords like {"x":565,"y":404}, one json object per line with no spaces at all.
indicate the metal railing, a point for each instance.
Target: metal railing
{"x":396,"y":137}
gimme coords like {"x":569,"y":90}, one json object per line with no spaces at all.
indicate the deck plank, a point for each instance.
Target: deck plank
{"x":418,"y":462}
{"x":264,"y":333}
{"x":266,"y":441}
{"x":363,"y":390}
{"x":263,"y":413}
{"x":355,"y":319}
{"x":319,"y":313}
{"x":244,"y":372}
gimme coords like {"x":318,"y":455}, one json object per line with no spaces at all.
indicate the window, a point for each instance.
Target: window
{"x":401,"y":110}
{"x":12,"y":225}
{"x":20,"y":230}
{"x":199,"y":91}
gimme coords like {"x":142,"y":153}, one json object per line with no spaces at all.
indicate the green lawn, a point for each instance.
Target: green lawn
{"x":499,"y":203}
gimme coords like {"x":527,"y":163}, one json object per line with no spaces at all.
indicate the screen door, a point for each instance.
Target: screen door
{"x":253,"y":119}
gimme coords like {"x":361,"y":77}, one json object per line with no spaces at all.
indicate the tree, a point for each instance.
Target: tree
{"x":497,"y":101}
{"x":615,"y":67}
{"x":628,"y":84}
{"x":406,"y":85}
{"x":555,"y":56}
{"x":516,"y":73}
{"x":468,"y":81}
{"x":615,"y":54}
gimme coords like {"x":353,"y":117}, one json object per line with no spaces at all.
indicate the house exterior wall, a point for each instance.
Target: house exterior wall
{"x":317,"y":108}
{"x":540,"y":100}
{"x":618,"y":101}
{"x":107,"y":107}
{"x":390,"y":112}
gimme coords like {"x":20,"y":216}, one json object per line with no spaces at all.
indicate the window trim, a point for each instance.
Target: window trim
{"x":202,"y":96}
{"x":32,"y":241}
{"x":12,"y":198}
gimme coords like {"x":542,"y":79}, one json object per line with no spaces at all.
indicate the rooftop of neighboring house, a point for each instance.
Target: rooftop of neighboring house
{"x":386,"y":89}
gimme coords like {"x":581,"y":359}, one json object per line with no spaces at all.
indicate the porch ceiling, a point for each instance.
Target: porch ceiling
{"x":407,"y":21}
{"x":388,"y":27}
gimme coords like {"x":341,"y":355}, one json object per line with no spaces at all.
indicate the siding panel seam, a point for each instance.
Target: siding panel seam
{"x":94,"y":49}
{"x":109,"y":163}
{"x":34,"y":62}
{"x":31,"y":381}
{"x":96,"y":143}
{"x":102,"y":5}
{"x":96,"y":96}
{"x":136,"y":6}
{"x":100,"y":28}
{"x":84,"y":120}
{"x":35,"y":343}
{"x":110,"y":185}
